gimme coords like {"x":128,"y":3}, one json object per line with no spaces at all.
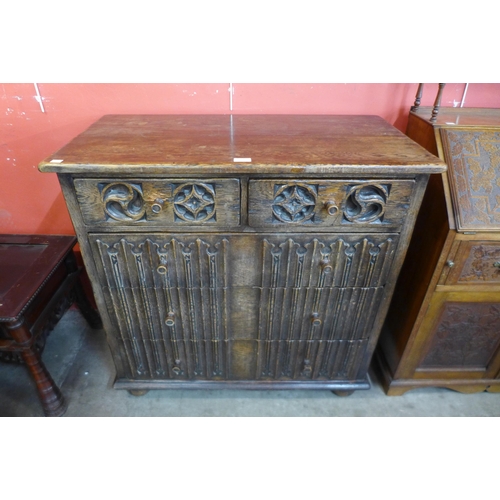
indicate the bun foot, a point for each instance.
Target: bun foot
{"x":343,"y":393}
{"x":138,"y":392}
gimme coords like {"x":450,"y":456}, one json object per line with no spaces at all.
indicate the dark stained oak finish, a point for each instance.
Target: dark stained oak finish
{"x":200,"y":144}
{"x":443,"y":326}
{"x":244,"y":251}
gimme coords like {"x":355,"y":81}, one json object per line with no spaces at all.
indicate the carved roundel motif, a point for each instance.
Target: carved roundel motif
{"x":294,"y":203}
{"x":123,"y":201}
{"x":194,"y":202}
{"x":366,"y":203}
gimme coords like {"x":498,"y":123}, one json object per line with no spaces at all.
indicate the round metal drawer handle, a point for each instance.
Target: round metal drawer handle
{"x":315,"y":319}
{"x":170,"y":321}
{"x":176,"y":370}
{"x":331,"y":207}
{"x":162,"y":269}
{"x":326,"y":267}
{"x":157,"y":206}
{"x":496,"y":264}
{"x":450,"y":263}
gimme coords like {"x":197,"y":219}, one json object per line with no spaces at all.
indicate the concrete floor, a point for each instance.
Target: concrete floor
{"x":80,"y":363}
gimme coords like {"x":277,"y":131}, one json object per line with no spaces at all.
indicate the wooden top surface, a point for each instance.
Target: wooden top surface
{"x":26,"y":262}
{"x":154,"y":144}
{"x":461,"y":117}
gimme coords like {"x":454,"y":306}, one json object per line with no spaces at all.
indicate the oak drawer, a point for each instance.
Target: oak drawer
{"x":159,"y":202}
{"x":476,"y":262}
{"x":318,"y":203}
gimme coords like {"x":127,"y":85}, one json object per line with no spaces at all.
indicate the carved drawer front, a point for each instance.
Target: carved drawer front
{"x":324,"y":204}
{"x":160,"y":202}
{"x":310,"y":360}
{"x":476,"y":262}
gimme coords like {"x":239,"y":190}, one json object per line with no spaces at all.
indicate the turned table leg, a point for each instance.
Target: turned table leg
{"x":52,"y":400}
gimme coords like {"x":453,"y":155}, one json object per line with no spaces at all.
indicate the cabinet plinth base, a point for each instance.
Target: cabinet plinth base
{"x":135,"y":386}
{"x":398,"y":387}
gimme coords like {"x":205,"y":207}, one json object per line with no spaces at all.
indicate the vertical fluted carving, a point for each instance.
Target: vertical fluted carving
{"x":318,"y":301}
{"x":172,"y":307}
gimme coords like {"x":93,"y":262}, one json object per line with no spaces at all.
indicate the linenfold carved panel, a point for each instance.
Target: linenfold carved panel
{"x":171,"y":302}
{"x":347,"y":261}
{"x":313,"y":360}
{"x":314,"y":298}
{"x":318,"y":301}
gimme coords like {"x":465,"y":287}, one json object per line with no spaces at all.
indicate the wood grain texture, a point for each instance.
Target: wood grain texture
{"x":150,"y":144}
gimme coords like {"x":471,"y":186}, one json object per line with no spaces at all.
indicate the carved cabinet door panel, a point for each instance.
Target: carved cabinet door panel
{"x":171,"y":300}
{"x":238,"y":306}
{"x":319,"y":296}
{"x":460,"y":337}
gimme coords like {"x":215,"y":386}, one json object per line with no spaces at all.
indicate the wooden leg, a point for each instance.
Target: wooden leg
{"x":343,"y":393}
{"x":88,"y":312}
{"x":52,"y":400}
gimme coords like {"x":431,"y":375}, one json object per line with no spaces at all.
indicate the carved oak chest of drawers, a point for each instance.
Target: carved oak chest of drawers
{"x":443,"y":327}
{"x":243,"y":251}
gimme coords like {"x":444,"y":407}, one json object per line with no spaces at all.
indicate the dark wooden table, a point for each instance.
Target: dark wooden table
{"x":39,"y":279}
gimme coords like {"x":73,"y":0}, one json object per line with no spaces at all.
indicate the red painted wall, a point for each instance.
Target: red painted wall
{"x":31,"y":202}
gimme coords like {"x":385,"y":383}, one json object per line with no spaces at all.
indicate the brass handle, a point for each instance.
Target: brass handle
{"x":450,"y":263}
{"x":157,"y":206}
{"x":315,"y":319}
{"x":161,"y":269}
{"x":170,"y":321}
{"x":331,"y":207}
{"x":496,"y":264}
{"x":326,"y":267}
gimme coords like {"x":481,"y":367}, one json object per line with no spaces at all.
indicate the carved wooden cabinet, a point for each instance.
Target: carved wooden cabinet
{"x":242,"y":251}
{"x":443,"y":327}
